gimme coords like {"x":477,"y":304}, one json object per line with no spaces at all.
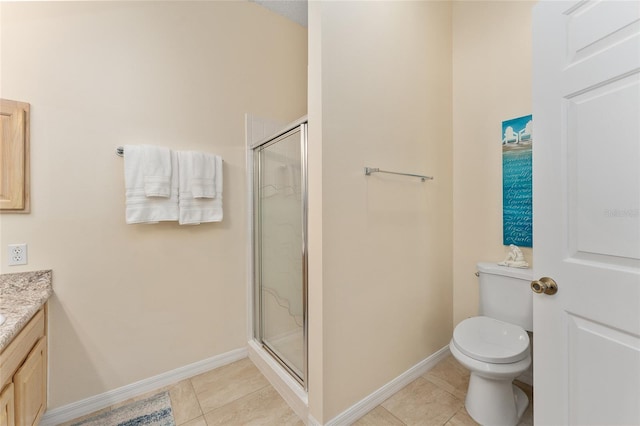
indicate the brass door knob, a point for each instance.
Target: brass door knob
{"x":544,"y":285}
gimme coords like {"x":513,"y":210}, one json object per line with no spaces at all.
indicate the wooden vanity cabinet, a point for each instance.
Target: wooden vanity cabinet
{"x":30,"y":394}
{"x":23,"y":375}
{"x":7,"y":417}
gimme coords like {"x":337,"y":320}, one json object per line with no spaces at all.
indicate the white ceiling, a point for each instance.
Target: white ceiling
{"x":296,"y":10}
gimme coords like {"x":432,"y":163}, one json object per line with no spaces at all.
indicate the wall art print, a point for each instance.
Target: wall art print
{"x":517,"y":173}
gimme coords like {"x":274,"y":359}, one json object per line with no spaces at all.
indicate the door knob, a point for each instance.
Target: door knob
{"x":544,"y":285}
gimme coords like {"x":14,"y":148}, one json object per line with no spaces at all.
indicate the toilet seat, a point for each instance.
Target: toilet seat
{"x":491,"y":340}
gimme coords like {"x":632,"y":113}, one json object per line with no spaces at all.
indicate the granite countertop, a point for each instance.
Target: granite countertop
{"x":21,"y":296}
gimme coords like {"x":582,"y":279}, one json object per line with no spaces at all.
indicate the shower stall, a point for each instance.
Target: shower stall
{"x":280,"y":248}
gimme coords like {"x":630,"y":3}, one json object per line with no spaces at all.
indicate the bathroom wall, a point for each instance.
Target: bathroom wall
{"x":379,"y":95}
{"x":491,"y":83}
{"x":134,"y":301}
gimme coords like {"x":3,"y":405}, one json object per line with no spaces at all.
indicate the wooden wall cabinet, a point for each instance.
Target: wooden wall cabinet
{"x":23,"y":375}
{"x":14,"y":157}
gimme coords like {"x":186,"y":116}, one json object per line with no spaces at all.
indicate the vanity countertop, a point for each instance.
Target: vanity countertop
{"x":21,"y":296}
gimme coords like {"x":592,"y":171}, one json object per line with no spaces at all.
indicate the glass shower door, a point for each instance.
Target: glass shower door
{"x":280,"y":258}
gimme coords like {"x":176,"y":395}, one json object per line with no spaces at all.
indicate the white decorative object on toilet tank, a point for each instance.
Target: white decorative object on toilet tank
{"x":515,"y":258}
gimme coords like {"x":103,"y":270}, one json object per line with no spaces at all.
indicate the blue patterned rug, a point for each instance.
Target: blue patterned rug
{"x":153,"y":411}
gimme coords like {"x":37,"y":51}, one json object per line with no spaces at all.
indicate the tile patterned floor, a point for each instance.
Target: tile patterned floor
{"x":435,"y":398}
{"x":238,"y":394}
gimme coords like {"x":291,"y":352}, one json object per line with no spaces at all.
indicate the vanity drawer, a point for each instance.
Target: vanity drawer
{"x":14,"y":354}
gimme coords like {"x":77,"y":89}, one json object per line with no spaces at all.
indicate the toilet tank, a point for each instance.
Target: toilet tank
{"x":505,"y":294}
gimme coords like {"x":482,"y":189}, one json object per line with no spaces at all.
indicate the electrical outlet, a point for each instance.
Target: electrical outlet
{"x":17,"y":254}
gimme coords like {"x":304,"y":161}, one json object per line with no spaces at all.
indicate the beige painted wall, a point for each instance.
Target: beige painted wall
{"x":315,"y":341}
{"x":382,"y":98}
{"x":491,"y":83}
{"x":134,"y":301}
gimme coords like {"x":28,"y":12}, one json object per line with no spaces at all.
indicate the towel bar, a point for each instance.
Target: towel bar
{"x":120,"y":152}
{"x":369,"y":170}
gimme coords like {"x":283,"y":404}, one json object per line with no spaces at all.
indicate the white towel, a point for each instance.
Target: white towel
{"x":193,"y":210}
{"x":139,"y":207}
{"x":156,"y":163}
{"x":201,"y":168}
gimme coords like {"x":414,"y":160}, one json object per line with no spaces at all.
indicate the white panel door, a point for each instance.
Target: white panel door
{"x":586,"y":114}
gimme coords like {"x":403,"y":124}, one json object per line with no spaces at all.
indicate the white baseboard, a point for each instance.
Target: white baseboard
{"x":367,"y":404}
{"x":311,"y":421}
{"x":297,"y":399}
{"x":98,"y":402}
{"x":290,"y":390}
{"x":287,"y":387}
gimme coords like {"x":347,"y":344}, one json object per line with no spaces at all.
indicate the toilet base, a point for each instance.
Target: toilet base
{"x":495,"y":402}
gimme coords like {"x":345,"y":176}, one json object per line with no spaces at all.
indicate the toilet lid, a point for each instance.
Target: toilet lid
{"x":490,"y":340}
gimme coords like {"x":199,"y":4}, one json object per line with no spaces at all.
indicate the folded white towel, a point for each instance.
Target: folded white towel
{"x":201,"y":169}
{"x":192,"y":210}
{"x":157,"y":171}
{"x":139,"y":207}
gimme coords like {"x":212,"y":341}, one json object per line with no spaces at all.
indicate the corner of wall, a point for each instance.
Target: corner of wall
{"x":315,"y":212}
{"x":485,"y":92}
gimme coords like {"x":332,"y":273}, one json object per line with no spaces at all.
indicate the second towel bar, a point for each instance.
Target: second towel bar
{"x":369,"y":170}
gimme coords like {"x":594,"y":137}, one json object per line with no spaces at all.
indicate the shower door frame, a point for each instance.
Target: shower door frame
{"x":256,"y":311}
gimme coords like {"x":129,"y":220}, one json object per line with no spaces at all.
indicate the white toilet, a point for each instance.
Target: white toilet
{"x":495,"y":345}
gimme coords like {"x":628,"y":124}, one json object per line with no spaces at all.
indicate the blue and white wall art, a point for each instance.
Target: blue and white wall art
{"x":517,"y":197}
